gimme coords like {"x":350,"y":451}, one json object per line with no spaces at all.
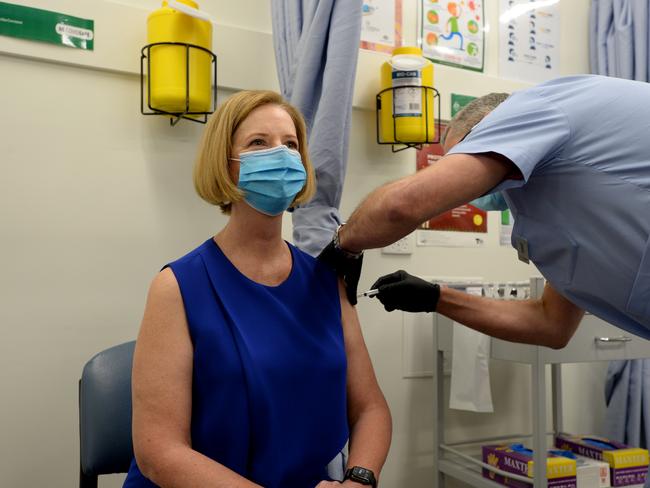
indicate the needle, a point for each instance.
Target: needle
{"x":369,"y":293}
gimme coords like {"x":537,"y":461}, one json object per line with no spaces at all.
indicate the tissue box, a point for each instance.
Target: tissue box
{"x":590,"y":472}
{"x":628,"y":465}
{"x":560,"y":471}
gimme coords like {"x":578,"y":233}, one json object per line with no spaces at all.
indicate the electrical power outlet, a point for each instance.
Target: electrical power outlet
{"x":446,"y":364}
{"x":404,"y":246}
{"x":458,"y":281}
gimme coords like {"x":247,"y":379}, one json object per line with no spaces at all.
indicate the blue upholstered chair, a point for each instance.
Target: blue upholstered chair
{"x":105,"y":414}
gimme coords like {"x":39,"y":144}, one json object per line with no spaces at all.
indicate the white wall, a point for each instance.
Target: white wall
{"x":94,"y":198}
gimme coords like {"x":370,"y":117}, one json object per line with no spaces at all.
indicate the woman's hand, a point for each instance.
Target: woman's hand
{"x":338,"y":484}
{"x":329,"y":484}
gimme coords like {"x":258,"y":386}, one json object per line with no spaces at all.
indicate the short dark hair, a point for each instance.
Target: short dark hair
{"x":473,"y":113}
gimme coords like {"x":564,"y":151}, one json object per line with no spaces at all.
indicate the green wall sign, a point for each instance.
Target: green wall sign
{"x":505,"y":217}
{"x":46,"y":26}
{"x":458,"y":102}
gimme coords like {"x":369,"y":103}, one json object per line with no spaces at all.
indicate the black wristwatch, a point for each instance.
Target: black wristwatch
{"x":361,"y":475}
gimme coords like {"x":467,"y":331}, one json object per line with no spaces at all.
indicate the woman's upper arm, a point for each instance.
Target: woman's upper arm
{"x":162,"y":373}
{"x":363,"y":389}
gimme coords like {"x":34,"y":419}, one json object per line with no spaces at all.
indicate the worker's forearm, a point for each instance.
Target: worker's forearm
{"x":379,"y":220}
{"x":370,"y":439}
{"x":522,"y":321}
{"x":396,"y":209}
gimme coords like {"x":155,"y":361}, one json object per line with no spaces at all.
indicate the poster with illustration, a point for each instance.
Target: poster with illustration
{"x":529,"y":40}
{"x":381,"y":25}
{"x":459,"y":101}
{"x":463,"y":226}
{"x":505,"y":231}
{"x":452,"y":32}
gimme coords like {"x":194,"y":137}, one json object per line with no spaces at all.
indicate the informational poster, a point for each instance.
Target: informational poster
{"x":458,"y":102}
{"x":464,"y":226}
{"x":381,"y":25}
{"x":529,"y":40}
{"x":452,"y":32}
{"x":505,"y":232}
{"x":36,"y":24}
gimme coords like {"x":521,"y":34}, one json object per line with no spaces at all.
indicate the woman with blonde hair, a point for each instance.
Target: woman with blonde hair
{"x":250,"y":367}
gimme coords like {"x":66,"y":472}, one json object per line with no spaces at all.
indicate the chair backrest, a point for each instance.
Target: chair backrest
{"x":105,"y":414}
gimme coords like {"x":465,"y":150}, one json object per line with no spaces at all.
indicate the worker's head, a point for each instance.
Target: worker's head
{"x":468,"y":117}
{"x":246,"y":122}
{"x":452,"y":8}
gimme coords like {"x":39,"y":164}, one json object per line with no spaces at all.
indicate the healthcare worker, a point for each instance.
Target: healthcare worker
{"x":571,"y":158}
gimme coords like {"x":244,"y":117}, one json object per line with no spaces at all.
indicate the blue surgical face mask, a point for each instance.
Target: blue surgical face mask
{"x":271,"y":178}
{"x":493,"y":201}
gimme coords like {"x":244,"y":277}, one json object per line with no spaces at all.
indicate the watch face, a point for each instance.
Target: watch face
{"x":360,"y":472}
{"x":361,"y":475}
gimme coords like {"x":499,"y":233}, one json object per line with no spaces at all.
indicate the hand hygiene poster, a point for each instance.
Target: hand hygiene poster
{"x":529,"y":40}
{"x":464,"y":226}
{"x":381,"y":25}
{"x":453,"y":32}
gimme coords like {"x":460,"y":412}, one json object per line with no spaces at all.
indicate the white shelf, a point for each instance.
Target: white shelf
{"x":584,"y":346}
{"x":467,"y":473}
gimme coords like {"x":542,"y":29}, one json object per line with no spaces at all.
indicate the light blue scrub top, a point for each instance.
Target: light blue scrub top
{"x":582,"y":210}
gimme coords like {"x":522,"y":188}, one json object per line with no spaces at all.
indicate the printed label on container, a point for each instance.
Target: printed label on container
{"x":407,"y":99}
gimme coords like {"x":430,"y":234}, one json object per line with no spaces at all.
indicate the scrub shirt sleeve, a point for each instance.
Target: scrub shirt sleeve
{"x":526,"y":128}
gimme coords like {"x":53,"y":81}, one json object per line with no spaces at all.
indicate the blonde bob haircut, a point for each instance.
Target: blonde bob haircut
{"x":211,"y":176}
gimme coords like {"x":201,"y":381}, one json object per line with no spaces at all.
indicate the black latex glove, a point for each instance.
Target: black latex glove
{"x":402,"y":291}
{"x":346,"y":266}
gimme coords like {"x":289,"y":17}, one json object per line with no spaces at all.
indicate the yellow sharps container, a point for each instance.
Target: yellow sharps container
{"x":413,"y":107}
{"x":168,"y":64}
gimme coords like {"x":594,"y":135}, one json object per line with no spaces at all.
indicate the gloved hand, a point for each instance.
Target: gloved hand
{"x":402,"y":291}
{"x":346,"y":265}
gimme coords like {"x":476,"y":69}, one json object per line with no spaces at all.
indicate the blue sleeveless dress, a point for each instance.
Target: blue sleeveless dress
{"x":269,"y":378}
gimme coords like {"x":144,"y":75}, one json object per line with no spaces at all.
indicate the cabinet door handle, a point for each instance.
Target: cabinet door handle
{"x":614,"y":339}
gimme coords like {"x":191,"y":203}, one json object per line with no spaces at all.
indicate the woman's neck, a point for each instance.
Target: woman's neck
{"x":252,"y":233}
{"x":253,"y":243}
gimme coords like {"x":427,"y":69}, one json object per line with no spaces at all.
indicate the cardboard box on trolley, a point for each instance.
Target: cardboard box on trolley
{"x":516,"y":459}
{"x":628,"y":465}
